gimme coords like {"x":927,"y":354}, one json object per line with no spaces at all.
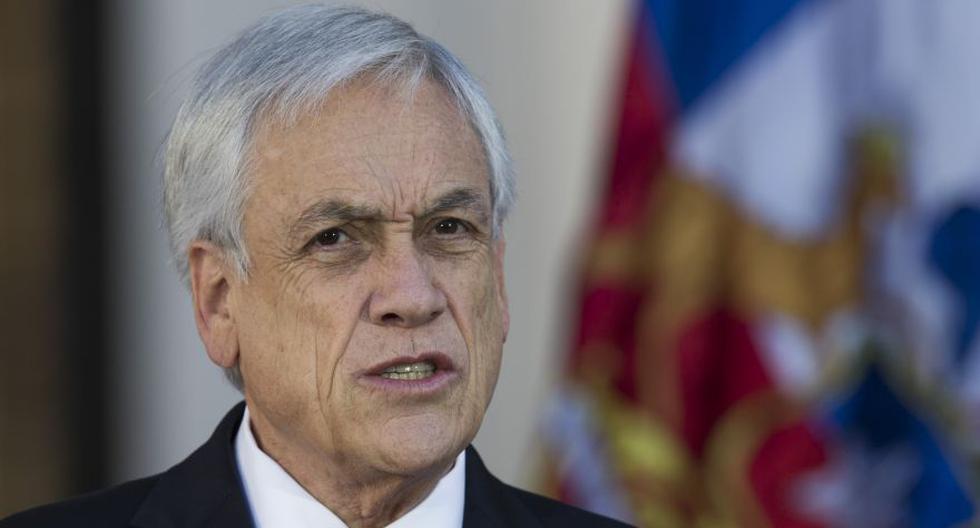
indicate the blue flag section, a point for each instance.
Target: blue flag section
{"x":955,"y":253}
{"x":909,"y":478}
{"x":701,"y":39}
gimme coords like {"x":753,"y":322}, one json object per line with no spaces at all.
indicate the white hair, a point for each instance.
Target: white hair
{"x":280,"y":69}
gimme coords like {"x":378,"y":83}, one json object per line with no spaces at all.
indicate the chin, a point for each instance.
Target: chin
{"x":414,"y":444}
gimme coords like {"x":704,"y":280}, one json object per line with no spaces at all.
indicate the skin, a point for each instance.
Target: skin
{"x":369,"y":232}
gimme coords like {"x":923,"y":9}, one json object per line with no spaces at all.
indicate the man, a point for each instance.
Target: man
{"x":335,"y":189}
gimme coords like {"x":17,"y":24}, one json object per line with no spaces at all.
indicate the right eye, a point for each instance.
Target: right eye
{"x":329,"y":237}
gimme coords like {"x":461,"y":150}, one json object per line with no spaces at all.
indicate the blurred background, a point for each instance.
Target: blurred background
{"x":744,"y":269}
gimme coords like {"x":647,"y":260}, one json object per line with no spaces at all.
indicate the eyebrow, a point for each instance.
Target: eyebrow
{"x":465,"y":198}
{"x":340,"y":211}
{"x":331,"y":211}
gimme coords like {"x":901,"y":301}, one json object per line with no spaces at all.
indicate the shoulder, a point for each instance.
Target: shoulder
{"x":553,"y":513}
{"x":107,"y":508}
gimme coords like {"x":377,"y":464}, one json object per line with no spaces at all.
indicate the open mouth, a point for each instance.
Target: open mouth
{"x":417,"y":368}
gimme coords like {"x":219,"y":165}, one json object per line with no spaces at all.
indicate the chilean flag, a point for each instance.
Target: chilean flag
{"x":779,"y":310}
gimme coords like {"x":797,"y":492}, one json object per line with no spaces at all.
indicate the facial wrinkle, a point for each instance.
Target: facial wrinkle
{"x":319,"y":374}
{"x":343,"y":345}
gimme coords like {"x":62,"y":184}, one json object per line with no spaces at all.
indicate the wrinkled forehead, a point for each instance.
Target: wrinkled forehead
{"x":394,"y":145}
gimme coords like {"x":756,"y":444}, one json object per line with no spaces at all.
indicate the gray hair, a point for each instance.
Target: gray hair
{"x":279,"y":69}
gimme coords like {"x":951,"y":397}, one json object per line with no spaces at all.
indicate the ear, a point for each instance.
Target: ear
{"x":211,"y":287}
{"x":499,"y":249}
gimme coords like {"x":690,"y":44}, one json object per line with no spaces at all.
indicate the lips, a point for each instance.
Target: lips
{"x":409,"y":378}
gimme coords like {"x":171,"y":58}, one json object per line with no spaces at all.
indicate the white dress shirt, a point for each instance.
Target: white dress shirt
{"x":278,"y":501}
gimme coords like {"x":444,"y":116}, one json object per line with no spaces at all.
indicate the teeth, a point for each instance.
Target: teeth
{"x":407,"y":376}
{"x":410,"y":371}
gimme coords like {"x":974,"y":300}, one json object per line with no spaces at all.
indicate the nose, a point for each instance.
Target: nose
{"x":406,"y":295}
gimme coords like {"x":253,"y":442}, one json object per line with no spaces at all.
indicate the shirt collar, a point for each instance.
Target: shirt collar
{"x":276,"y":499}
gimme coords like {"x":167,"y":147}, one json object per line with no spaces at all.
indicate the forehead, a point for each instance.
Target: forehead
{"x":369,"y":143}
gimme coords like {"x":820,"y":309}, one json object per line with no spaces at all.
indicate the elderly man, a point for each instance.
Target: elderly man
{"x":335,"y":189}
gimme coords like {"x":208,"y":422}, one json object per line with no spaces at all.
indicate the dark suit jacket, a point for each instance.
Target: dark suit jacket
{"x":205,"y":490}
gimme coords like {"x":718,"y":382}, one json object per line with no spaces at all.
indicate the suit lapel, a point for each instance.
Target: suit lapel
{"x":202,"y":491}
{"x":489,"y":502}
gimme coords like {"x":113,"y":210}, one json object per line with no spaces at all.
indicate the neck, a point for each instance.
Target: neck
{"x":361,"y":497}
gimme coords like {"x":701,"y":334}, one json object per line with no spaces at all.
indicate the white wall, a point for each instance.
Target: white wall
{"x":550,"y":69}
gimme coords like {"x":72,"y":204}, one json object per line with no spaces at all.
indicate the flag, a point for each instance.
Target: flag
{"x":778,"y":313}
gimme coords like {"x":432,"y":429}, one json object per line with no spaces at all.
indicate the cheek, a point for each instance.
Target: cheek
{"x":274,"y":364}
{"x":327,"y":318}
{"x":293,"y":338}
{"x":473,"y":291}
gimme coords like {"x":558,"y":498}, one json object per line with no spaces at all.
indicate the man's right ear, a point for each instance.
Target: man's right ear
{"x":211,"y":282}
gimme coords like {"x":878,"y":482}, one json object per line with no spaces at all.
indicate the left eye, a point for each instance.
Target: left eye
{"x":449,"y":226}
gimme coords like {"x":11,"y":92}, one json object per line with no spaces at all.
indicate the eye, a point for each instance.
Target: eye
{"x":450,"y":226}
{"x":329,"y":237}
